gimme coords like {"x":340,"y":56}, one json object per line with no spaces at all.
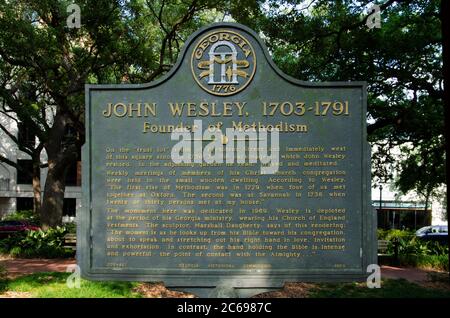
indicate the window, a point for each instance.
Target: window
{"x":23,"y":204}
{"x":24,"y":172}
{"x":69,"y":207}
{"x":4,"y":184}
{"x":25,"y":136}
{"x":73,"y":176}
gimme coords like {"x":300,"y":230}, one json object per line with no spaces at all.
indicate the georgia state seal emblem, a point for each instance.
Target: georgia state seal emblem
{"x":223,"y":62}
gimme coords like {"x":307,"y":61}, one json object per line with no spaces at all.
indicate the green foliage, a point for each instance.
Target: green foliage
{"x":71,"y":227}
{"x":3,"y":278}
{"x":326,"y":40}
{"x":394,"y":234}
{"x":437,"y":249}
{"x":414,"y":252}
{"x":53,"y":285}
{"x":26,"y":215}
{"x":423,"y":168}
{"x":44,"y":65}
{"x":435,"y":262}
{"x":40,"y":244}
{"x":381,"y":234}
{"x":409,"y":244}
{"x":409,"y":247}
{"x":390,"y":288}
{"x":414,"y":246}
{"x":3,"y":272}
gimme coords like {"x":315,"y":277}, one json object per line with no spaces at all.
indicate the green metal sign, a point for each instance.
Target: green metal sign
{"x":302,"y":211}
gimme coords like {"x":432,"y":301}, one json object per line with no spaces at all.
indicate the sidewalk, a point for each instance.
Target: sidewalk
{"x":414,"y":275}
{"x":20,"y":266}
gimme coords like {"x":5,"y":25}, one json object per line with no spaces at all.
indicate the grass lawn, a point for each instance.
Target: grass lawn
{"x":390,"y":288}
{"x":53,"y":285}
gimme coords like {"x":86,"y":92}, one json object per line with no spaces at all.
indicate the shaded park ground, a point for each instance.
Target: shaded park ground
{"x":47,"y":278}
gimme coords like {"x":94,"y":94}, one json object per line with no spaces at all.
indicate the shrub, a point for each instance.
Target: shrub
{"x":417,"y":247}
{"x":3,"y":278}
{"x":71,"y":227}
{"x":25,"y":215}
{"x":390,"y":235}
{"x":45,"y":244}
{"x":3,"y":272}
{"x":381,"y":234}
{"x":438,"y":262}
{"x":408,"y":247}
{"x":398,"y":235}
{"x":413,"y":251}
{"x":437,"y":249}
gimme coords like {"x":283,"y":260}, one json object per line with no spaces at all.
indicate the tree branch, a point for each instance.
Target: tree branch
{"x":9,"y":162}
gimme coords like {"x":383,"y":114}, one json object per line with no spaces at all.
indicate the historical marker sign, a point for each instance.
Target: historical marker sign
{"x":147,"y":217}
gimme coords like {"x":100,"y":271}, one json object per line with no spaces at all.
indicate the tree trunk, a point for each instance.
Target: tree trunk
{"x":60,"y":155}
{"x":36,"y":185}
{"x":52,"y":205}
{"x":427,"y":199}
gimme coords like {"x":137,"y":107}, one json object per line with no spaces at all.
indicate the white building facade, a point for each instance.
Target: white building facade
{"x":16,"y":191}
{"x":396,"y":210}
{"x":406,"y":211}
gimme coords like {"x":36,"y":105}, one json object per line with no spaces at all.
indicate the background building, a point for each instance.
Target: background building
{"x":16,"y":192}
{"x":396,"y":211}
